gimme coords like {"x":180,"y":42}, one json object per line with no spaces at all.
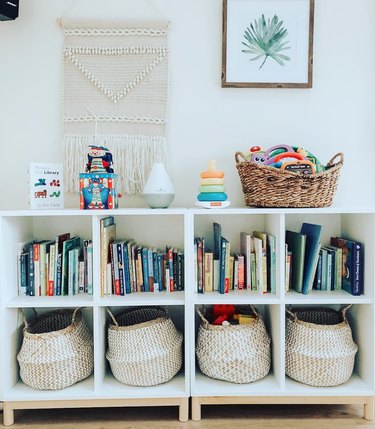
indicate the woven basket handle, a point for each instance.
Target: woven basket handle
{"x":291,"y":314}
{"x":112,"y":317}
{"x":340,"y":157}
{"x":239,"y":155}
{"x":75,"y":313}
{"x":254,"y":310}
{"x":344,"y":309}
{"x":203,"y":319}
{"x":24,"y":318}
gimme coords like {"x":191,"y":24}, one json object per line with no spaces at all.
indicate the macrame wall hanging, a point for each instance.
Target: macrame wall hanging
{"x":115,"y":95}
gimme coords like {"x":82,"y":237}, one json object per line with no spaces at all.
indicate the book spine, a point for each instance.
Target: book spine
{"x":90,"y":264}
{"x":156,"y":270}
{"x":241,"y":272}
{"x":38,"y":288}
{"x":120,"y":262}
{"x":24,"y":273}
{"x":145,"y":272}
{"x":150,"y":265}
{"x":208,"y":272}
{"x":81,"y":277}
{"x":127,"y":274}
{"x":31,"y":285}
{"x":51,"y":270}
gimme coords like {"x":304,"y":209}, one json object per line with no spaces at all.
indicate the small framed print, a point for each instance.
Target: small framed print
{"x":267,"y":43}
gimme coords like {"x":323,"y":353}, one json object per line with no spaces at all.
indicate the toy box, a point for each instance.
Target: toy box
{"x":98,"y":191}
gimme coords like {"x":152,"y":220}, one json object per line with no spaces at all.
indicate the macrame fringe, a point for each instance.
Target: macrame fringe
{"x":133,"y":157}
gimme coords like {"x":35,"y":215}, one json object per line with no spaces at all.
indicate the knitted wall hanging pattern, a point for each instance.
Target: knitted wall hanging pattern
{"x":115,"y":90}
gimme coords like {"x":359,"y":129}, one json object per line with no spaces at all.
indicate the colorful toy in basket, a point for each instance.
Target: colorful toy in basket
{"x":98,"y":185}
{"x":284,"y":157}
{"x":212,"y":189}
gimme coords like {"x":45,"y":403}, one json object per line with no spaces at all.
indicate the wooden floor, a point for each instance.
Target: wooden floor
{"x":218,"y":417}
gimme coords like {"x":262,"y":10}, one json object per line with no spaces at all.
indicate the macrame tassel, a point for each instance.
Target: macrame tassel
{"x":133,"y":157}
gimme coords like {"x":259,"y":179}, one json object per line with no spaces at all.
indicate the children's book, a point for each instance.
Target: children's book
{"x":46,"y":189}
{"x":313,"y":245}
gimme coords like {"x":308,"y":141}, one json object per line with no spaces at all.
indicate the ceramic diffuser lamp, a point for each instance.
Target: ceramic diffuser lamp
{"x":158,"y":191}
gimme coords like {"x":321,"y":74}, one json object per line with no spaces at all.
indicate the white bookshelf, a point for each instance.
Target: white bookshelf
{"x":178,"y":227}
{"x":149,"y":227}
{"x":277,"y":388}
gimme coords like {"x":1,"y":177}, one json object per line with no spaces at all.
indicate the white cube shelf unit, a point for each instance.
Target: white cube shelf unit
{"x":276,"y":387}
{"x":156,"y":228}
{"x":177,"y":228}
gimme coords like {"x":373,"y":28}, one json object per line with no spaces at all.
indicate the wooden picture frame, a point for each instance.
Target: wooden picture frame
{"x":267,"y":43}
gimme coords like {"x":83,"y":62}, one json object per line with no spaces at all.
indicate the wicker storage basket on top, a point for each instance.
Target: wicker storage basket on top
{"x":57,"y":350}
{"x":144,"y":346}
{"x":265,"y":186}
{"x":235,"y":353}
{"x":319,"y":346}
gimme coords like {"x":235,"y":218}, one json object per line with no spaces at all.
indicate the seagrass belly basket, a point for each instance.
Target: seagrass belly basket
{"x":319,"y":347}
{"x":234,"y":353}
{"x":266,"y":186}
{"x":57,"y":350}
{"x":144,"y":346}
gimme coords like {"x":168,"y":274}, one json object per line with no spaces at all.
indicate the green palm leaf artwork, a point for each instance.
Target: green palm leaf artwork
{"x":266,"y":38}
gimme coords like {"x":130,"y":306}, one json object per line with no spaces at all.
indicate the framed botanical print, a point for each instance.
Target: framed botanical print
{"x":267,"y":43}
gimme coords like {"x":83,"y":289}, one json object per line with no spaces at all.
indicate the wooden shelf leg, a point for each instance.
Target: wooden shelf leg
{"x":184,"y":410}
{"x":369,"y":410}
{"x":195,"y":409}
{"x":8,"y":414}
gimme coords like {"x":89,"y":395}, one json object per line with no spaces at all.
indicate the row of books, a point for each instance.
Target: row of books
{"x":62,"y":266}
{"x":127,"y":266}
{"x":220,"y":269}
{"x":311,"y":265}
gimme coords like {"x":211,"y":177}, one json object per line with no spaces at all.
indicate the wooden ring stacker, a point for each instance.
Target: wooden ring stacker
{"x":212,"y":174}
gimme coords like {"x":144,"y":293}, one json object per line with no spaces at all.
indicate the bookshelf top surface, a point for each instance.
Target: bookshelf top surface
{"x":183,"y":210}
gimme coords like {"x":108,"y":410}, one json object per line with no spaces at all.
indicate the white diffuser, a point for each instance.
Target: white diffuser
{"x":158,"y":191}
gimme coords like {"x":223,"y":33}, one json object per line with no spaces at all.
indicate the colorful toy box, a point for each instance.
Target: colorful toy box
{"x":98,"y":191}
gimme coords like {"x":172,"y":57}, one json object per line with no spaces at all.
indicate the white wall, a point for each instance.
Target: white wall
{"x":205,"y":121}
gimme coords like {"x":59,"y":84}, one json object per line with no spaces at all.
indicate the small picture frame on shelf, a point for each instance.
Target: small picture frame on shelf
{"x":267,"y":44}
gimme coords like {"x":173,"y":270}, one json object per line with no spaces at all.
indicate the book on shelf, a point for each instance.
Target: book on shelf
{"x":312,"y":248}
{"x":247,"y":250}
{"x":107,"y":235}
{"x":337,"y":251}
{"x":352,"y":264}
{"x":260,"y":265}
{"x":208,"y":271}
{"x":224,"y":266}
{"x":68,"y":245}
{"x":216,"y":252}
{"x":60,"y":239}
{"x":296,"y":244}
{"x":46,"y":190}
{"x":288,"y":268}
{"x":241,"y":271}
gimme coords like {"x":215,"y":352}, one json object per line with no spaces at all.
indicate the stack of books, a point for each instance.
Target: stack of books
{"x":220,"y":269}
{"x":58,"y":267}
{"x":128,"y":267}
{"x":311,"y":265}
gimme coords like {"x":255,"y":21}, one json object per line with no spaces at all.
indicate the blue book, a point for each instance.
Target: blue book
{"x":127,"y":282}
{"x":146,"y":284}
{"x":312,"y":248}
{"x":223,"y":255}
{"x":120,"y":262}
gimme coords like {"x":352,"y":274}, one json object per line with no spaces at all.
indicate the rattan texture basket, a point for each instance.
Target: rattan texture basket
{"x":234,"y":353}
{"x":144,"y":346}
{"x":319,"y":346}
{"x":57,"y":350}
{"x":265,"y":186}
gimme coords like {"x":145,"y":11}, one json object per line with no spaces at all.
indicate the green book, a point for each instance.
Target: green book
{"x":296,"y":244}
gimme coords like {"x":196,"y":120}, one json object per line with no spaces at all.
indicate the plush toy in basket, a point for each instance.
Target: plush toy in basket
{"x":319,"y":346}
{"x":286,"y":176}
{"x":238,"y":353}
{"x":57,"y":350}
{"x":144,"y":346}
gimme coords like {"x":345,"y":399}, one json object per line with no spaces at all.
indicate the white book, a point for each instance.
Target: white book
{"x":46,"y":188}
